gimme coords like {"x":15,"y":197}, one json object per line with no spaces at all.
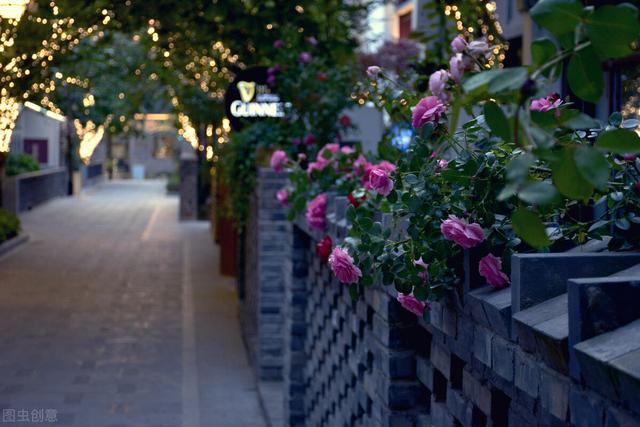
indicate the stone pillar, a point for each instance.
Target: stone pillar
{"x":188,"y":186}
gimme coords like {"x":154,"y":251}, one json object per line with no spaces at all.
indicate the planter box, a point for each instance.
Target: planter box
{"x":26,"y":191}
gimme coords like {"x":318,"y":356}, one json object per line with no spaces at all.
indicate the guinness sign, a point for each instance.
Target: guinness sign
{"x":249,"y":98}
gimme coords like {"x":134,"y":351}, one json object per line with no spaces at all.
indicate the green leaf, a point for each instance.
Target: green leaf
{"x":518,"y":168}
{"x":619,"y":141}
{"x":539,"y":193}
{"x":367,"y":280}
{"x":612,"y":29}
{"x":585,"y":75}
{"x":593,"y":166}
{"x":577,"y":120}
{"x":497,"y":121}
{"x":530,"y":228}
{"x":411,"y":179}
{"x":568,"y":179}
{"x":560,"y":17}
{"x":543,"y":50}
{"x":510,"y":79}
{"x":353,"y":292}
{"x":479,"y":82}
{"x":366,"y":223}
{"x":421,"y":292}
{"x":351,"y":213}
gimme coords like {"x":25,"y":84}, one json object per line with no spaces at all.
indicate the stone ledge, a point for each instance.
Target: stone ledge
{"x":13,"y":243}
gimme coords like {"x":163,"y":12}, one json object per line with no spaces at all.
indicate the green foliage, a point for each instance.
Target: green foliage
{"x":173,"y":182}
{"x":523,"y":171}
{"x":19,"y":163}
{"x":9,"y":225}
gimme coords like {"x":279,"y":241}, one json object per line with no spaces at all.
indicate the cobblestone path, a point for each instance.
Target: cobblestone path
{"x":113,"y":315}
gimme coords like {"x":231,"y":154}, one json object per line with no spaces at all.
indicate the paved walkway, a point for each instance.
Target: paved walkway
{"x":114,"y":315}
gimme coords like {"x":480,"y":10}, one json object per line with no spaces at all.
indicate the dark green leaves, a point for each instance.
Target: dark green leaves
{"x":542,"y":51}
{"x":560,"y":17}
{"x":585,"y":75}
{"x":612,"y":29}
{"x":593,"y":166}
{"x":538,"y":192}
{"x":568,"y":179}
{"x":530,"y":228}
{"x":619,"y":141}
{"x":497,"y":121}
{"x":510,"y":79}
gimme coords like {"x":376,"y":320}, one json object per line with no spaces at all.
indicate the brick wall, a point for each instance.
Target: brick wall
{"x":265,"y":256}
{"x":478,"y":363}
{"x":26,"y":191}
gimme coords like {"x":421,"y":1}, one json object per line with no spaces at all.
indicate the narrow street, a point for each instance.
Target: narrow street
{"x":114,"y":315}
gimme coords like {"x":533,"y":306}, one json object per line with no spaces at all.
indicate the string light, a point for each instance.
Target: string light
{"x":90,"y":136}
{"x":9,"y":111}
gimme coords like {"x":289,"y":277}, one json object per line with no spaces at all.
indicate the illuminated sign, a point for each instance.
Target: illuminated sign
{"x":250,"y":98}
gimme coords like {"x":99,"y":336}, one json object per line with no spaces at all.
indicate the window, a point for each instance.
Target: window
{"x":162,"y":147}
{"x":404,"y":22}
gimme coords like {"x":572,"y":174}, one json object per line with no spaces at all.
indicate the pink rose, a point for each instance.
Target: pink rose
{"x":428,"y":110}
{"x":457,"y":65}
{"x":490,"y":268}
{"x":274,"y":70}
{"x":317,"y":212}
{"x":332,"y":148}
{"x":479,"y":48}
{"x":460,"y":231}
{"x":345,"y":121}
{"x":302,"y":157}
{"x":368,"y":167}
{"x":278,"y":44}
{"x":278,"y":159}
{"x":347,"y":150}
{"x":361,"y":165}
{"x":442,"y":164}
{"x":545,"y":104}
{"x":343,"y":267}
{"x":316,"y":166}
{"x":438,"y":83}
{"x":424,"y":275}
{"x":458,"y":44}
{"x":310,"y":139}
{"x":304,"y":58}
{"x":283,"y":196}
{"x":379,"y":181}
{"x":411,"y":303}
{"x":373,"y":71}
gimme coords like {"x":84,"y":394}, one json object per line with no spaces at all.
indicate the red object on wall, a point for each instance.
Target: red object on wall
{"x":225,"y":235}
{"x":404,"y":22}
{"x":38,"y":149}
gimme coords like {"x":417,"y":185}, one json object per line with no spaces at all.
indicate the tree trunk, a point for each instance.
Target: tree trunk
{"x":109,"y":155}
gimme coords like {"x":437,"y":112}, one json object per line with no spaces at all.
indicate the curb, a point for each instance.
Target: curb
{"x":13,"y":243}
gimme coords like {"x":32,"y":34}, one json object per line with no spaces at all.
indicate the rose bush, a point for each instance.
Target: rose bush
{"x":526,"y":171}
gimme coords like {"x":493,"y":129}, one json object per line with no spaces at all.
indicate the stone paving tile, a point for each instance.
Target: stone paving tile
{"x":92,"y":316}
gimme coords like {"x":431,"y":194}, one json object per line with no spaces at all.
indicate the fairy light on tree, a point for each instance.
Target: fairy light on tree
{"x":9,"y":111}
{"x":90,"y":137}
